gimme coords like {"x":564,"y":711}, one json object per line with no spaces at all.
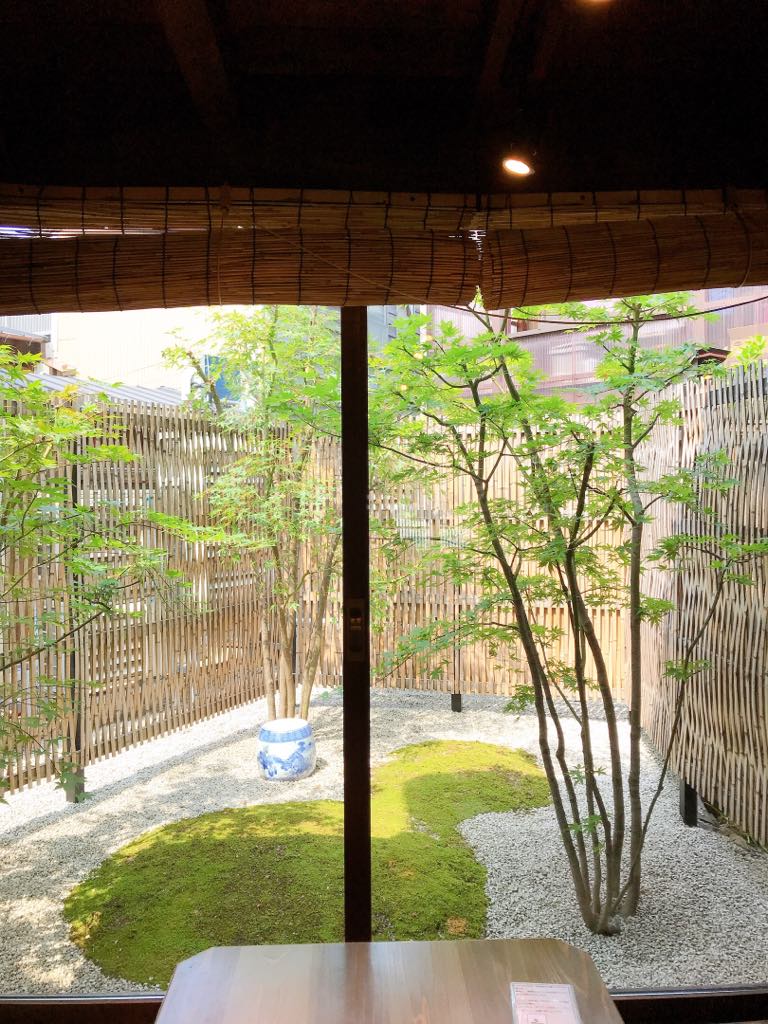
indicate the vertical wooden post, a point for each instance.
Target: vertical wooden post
{"x":356,"y":654}
{"x":689,"y":808}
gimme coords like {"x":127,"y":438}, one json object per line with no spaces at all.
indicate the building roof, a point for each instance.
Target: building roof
{"x":115,"y":392}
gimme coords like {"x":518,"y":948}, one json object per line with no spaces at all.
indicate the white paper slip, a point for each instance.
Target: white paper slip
{"x":544,"y":1004}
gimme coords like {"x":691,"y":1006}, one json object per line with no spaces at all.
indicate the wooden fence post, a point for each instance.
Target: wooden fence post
{"x":689,"y":804}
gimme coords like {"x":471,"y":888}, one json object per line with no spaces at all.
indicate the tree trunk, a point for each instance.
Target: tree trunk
{"x":267,"y":670}
{"x":288,"y":684}
{"x":632,"y":897}
{"x":284,"y":667}
{"x":317,"y":638}
{"x":576,"y":864}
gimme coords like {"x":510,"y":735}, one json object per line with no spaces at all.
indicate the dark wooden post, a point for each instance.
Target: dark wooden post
{"x":356,"y":655}
{"x":455,"y":702}
{"x":689,"y":804}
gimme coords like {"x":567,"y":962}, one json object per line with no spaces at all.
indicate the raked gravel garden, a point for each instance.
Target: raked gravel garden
{"x":704,"y":913}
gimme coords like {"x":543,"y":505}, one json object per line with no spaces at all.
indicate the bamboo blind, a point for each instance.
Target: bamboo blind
{"x":723,"y":746}
{"x":54,"y":210}
{"x":612,"y":259}
{"x":231,"y":267}
{"x":98,"y":249}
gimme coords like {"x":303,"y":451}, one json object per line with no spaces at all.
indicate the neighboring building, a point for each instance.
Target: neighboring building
{"x":381,"y":323}
{"x":30,"y":334}
{"x":124,"y":348}
{"x":127,"y":347}
{"x":568,"y":359}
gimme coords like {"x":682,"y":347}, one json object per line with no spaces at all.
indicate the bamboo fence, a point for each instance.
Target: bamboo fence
{"x":157,"y":664}
{"x":429,"y":516}
{"x":137,"y":676}
{"x":722,"y":750}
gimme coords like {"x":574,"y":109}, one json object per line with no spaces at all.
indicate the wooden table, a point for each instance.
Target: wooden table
{"x":377,"y":983}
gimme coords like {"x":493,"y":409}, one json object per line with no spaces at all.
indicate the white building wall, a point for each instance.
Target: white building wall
{"x":127,"y":348}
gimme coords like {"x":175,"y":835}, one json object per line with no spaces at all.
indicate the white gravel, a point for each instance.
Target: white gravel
{"x":704,"y":916}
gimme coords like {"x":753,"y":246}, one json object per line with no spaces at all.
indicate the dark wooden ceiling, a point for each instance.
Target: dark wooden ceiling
{"x":413,"y":95}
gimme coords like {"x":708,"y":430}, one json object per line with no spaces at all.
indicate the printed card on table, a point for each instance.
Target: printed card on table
{"x":544,"y":1004}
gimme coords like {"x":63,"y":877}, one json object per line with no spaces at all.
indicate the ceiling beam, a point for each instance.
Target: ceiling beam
{"x":549,"y":40}
{"x":192,"y":37}
{"x":502,"y":31}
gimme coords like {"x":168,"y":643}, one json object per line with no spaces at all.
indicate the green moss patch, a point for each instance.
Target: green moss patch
{"x":274,"y":873}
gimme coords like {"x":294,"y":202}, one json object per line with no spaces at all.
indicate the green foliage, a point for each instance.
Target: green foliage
{"x":581,"y":775}
{"x":589,"y":824}
{"x":281,"y":364}
{"x":685,"y":669}
{"x":274,"y":873}
{"x":520,"y":701}
{"x":65,"y":562}
{"x":277,"y":505}
{"x":653,"y":609}
{"x":750,"y":351}
{"x":571,"y":537}
{"x":458,"y":406}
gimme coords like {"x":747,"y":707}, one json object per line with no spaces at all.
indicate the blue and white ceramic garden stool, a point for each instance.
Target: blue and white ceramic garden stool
{"x":287,"y":749}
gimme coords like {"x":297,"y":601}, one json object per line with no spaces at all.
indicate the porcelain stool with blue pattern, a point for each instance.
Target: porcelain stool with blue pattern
{"x":286,"y":749}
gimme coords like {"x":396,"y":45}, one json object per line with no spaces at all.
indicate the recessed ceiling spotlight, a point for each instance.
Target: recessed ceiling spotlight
{"x":517,"y":164}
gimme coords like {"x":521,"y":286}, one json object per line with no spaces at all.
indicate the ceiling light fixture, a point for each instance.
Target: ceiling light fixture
{"x":516,"y":164}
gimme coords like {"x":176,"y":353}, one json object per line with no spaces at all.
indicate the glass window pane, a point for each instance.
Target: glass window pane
{"x":519,"y":723}
{"x":171,"y":647}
